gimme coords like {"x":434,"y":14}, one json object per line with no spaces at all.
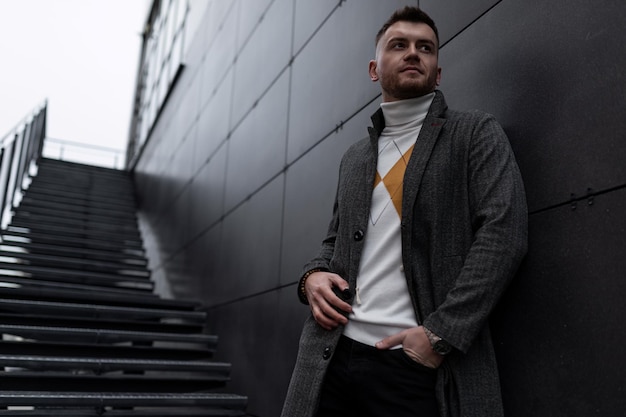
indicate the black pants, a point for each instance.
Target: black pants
{"x":363,"y":381}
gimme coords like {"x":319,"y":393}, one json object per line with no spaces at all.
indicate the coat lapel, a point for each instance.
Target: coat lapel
{"x":421,"y":154}
{"x":426,"y":140}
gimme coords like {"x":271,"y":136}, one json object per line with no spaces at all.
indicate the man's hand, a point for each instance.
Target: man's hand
{"x":415,"y":344}
{"x":323,"y":301}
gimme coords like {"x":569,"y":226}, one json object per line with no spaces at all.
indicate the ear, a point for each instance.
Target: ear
{"x":373,"y":70}
{"x":438,"y":81}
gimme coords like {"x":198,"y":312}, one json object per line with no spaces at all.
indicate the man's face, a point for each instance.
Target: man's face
{"x":406,"y":61}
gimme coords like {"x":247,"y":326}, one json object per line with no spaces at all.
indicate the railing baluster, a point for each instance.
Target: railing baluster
{"x":18,"y":152}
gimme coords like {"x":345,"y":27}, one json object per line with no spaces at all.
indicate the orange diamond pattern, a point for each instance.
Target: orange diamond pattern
{"x":394,"y":179}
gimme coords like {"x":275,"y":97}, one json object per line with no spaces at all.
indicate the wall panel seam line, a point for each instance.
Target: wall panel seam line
{"x":575,"y":199}
{"x":247,"y":297}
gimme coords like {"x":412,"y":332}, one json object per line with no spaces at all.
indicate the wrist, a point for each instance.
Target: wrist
{"x":439,"y":345}
{"x":301,"y":284}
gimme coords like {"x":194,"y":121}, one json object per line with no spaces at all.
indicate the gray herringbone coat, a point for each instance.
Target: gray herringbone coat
{"x":464,"y":233}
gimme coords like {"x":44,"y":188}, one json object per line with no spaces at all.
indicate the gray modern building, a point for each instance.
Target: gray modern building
{"x":243,"y":109}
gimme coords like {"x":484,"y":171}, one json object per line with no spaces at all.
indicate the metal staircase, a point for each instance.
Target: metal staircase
{"x":83,"y":334}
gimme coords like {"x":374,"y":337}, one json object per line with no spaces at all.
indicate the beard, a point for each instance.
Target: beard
{"x":402,"y":88}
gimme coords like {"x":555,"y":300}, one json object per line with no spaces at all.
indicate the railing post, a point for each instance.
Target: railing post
{"x":19,"y":148}
{"x":7,"y":165}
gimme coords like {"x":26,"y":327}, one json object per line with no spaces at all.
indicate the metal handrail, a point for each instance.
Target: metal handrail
{"x":83,"y":152}
{"x":20,"y":149}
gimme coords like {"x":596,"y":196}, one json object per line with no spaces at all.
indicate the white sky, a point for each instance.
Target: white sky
{"x":80,"y":55}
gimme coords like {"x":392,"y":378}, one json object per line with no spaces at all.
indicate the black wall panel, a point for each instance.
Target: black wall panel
{"x":257,"y":146}
{"x":220,"y":49}
{"x":322,"y":69}
{"x":545,"y":70}
{"x":250,"y":245}
{"x":204,"y":256}
{"x":207,"y":191}
{"x":237,"y":180}
{"x":214,"y":120}
{"x":559,"y":330}
{"x":254,"y":341}
{"x":453,"y":16}
{"x":309,"y":16}
{"x":253,"y":16}
{"x":255,"y":68}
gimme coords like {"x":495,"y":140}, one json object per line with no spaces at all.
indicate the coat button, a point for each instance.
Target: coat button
{"x":327,"y":353}
{"x":358,"y":235}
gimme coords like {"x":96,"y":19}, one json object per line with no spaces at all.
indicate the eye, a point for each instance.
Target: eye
{"x":426,"y":48}
{"x":398,"y":45}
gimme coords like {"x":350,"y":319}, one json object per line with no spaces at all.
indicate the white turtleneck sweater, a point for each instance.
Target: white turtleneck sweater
{"x":383,"y":304}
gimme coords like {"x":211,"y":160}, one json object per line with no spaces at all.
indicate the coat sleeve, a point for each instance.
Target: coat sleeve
{"x":326,"y":251}
{"x":499,"y":217}
{"x":323,"y":259}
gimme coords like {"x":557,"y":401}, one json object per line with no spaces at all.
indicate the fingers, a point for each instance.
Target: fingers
{"x":326,"y":316}
{"x":415,"y":344}
{"x":391,"y":341}
{"x":323,"y":301}
{"x":418,"y":347}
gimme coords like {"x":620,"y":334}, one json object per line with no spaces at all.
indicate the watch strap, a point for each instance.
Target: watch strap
{"x":439,"y":345}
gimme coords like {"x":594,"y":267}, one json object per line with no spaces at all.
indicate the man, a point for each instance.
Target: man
{"x":429,"y":226}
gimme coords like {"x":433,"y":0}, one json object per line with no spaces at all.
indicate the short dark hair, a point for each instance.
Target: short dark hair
{"x":408,"y":14}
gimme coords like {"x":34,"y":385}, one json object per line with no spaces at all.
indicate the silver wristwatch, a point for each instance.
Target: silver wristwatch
{"x":438,"y":344}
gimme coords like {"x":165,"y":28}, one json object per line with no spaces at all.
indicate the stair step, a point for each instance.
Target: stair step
{"x":101,"y":323}
{"x":96,"y":311}
{"x":89,"y":185}
{"x":155,"y":382}
{"x":60,"y":173}
{"x":66,"y":166}
{"x":135,"y":412}
{"x":26,"y":218}
{"x":112,"y":399}
{"x":52,"y":168}
{"x":74,"y":253}
{"x":110,"y":211}
{"x":81,"y":180}
{"x":38,"y":283}
{"x":104,"y":192}
{"x":81,"y":176}
{"x":80,"y":277}
{"x":126,"y":238}
{"x":100,"y":365}
{"x":122,"y":217}
{"x":112,"y":202}
{"x":95,"y":335}
{"x":20,"y":235}
{"x":75,"y":263}
{"x":128,"y":299}
{"x":154,"y":351}
{"x":78,"y":204}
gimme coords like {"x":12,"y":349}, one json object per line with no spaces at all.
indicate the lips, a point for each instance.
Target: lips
{"x":410,"y":68}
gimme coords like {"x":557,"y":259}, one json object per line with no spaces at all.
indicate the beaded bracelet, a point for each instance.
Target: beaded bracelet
{"x":301,"y":289}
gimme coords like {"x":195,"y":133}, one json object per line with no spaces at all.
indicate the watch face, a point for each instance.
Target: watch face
{"x":442,"y":347}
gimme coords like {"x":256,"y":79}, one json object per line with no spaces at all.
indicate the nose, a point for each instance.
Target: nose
{"x":411,"y":53}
